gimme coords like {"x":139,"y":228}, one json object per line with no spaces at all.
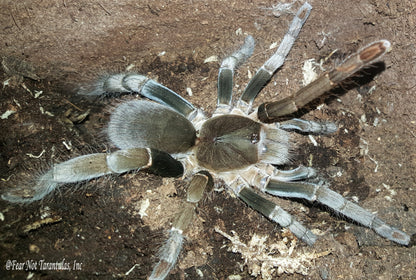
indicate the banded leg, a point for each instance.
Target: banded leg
{"x":135,"y":83}
{"x":307,"y":126}
{"x":326,"y":196}
{"x":299,"y":173}
{"x":96,"y":165}
{"x":170,"y":250}
{"x":264,"y":74}
{"x":276,"y":214}
{"x":271,"y":111}
{"x":226,"y":72}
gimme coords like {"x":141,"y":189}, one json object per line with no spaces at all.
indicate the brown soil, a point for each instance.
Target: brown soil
{"x":53,"y":47}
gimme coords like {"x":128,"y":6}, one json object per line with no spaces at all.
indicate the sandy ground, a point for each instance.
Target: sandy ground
{"x":50,"y":48}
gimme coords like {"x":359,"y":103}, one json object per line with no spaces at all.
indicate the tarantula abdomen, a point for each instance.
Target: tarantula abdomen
{"x":146,"y":124}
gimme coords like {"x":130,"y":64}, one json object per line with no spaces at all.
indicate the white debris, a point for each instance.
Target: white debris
{"x":68,"y":145}
{"x":312,"y":139}
{"x":239,"y":31}
{"x":131,"y":269}
{"x":33,"y":156}
{"x":373,"y":88}
{"x":7,"y":114}
{"x":264,"y":259}
{"x":200,"y":273}
{"x":249,"y":74}
{"x":387,"y":187}
{"x":282,"y":9}
{"x":44,"y":112}
{"x":212,"y":58}
{"x":234,"y":277}
{"x":17,"y":103}
{"x":38,"y":93}
{"x":308,"y":71}
{"x":6,"y":82}
{"x":143,"y":207}
{"x":320,"y":107}
{"x":130,"y":67}
{"x":189,"y":91}
{"x":363,"y":118}
{"x":363,"y":147}
{"x":376,"y":121}
{"x":273,"y":45}
{"x":45,"y":212}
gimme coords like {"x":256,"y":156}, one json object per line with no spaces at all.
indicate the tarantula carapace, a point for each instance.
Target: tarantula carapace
{"x":239,"y":146}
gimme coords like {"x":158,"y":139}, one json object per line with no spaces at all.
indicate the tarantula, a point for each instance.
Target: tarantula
{"x":239,"y":145}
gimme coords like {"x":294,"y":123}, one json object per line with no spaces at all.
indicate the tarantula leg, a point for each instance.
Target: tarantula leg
{"x":271,"y":111}
{"x":136,"y":83}
{"x":264,"y":74}
{"x":307,"y":126}
{"x":330,"y":198}
{"x":91,"y":166}
{"x":226,"y":72}
{"x":299,"y":173}
{"x":169,"y":252}
{"x":276,"y":214}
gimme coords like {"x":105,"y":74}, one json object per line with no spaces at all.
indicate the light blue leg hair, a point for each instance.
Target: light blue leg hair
{"x":226,"y":72}
{"x":332,"y":199}
{"x":136,"y":83}
{"x":264,"y":74}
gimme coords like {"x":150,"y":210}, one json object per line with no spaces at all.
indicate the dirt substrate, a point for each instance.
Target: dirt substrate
{"x":50,"y":48}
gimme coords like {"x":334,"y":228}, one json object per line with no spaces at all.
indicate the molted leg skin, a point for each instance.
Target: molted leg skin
{"x":264,"y":74}
{"x":271,"y":111}
{"x":226,"y":72}
{"x":276,"y":214}
{"x":322,"y":194}
{"x":169,"y":252}
{"x":96,"y":165}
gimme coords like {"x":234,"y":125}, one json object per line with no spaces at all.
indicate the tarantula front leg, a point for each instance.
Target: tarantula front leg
{"x":330,"y":198}
{"x":96,"y":165}
{"x":271,"y":111}
{"x":169,"y":252}
{"x":226,"y":74}
{"x":264,"y":74}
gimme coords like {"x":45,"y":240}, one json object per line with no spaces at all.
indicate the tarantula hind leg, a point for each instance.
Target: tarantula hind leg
{"x":136,"y":83}
{"x":330,"y":198}
{"x":91,"y":166}
{"x":169,"y":252}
